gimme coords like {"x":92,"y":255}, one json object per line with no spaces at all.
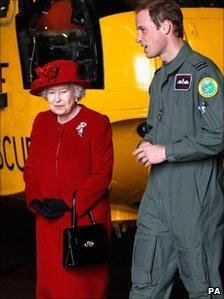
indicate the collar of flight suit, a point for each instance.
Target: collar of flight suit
{"x":173,"y":65}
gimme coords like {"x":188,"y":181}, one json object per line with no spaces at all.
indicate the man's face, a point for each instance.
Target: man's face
{"x":152,"y":39}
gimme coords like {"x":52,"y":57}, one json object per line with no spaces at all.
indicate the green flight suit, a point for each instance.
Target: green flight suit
{"x":181,"y":215}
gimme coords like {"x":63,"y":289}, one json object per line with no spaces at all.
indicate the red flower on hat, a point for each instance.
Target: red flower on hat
{"x":47,"y":73}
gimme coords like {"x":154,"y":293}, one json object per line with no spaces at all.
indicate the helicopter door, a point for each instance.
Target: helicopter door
{"x":51,"y":30}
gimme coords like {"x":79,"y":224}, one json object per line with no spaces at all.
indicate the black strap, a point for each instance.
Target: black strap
{"x":74,"y":221}
{"x":74,"y":216}
{"x":90,"y":214}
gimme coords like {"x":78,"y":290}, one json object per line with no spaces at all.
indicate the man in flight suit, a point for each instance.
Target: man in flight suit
{"x":181,"y":216}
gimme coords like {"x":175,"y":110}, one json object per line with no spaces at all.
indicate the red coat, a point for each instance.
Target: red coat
{"x":64,"y":158}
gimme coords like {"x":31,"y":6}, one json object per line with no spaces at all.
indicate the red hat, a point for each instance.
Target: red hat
{"x":55,"y":73}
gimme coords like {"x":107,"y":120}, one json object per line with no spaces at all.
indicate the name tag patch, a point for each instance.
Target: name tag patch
{"x":182,"y":82}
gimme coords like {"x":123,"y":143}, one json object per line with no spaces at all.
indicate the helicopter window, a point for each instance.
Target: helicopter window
{"x":60,"y":30}
{"x":4,"y":6}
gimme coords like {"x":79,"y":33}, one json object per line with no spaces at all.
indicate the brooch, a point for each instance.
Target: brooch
{"x":80,"y":128}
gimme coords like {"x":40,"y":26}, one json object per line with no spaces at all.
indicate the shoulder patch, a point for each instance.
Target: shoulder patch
{"x":208,"y":87}
{"x":200,"y":65}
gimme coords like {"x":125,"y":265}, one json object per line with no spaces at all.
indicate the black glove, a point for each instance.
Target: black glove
{"x":50,"y":207}
{"x":54,"y":207}
{"x":37,"y":205}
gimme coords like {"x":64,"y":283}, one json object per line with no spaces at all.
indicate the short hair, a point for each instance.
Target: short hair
{"x":79,"y":91}
{"x":161,"y":10}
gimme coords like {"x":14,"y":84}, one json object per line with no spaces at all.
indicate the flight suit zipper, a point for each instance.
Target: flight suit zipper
{"x":160,"y":112}
{"x":163,"y":79}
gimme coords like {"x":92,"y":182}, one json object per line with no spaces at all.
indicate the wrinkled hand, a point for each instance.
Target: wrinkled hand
{"x":50,"y":207}
{"x":149,"y":154}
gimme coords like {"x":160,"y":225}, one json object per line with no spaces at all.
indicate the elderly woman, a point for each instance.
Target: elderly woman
{"x":71,"y":152}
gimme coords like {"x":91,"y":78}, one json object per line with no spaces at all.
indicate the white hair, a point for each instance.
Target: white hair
{"x":44,"y":93}
{"x":79,"y":92}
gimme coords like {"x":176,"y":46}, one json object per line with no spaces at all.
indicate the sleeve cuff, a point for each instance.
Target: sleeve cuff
{"x":169,"y":153}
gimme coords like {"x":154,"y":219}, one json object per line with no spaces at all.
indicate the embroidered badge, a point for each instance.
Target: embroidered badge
{"x":202,"y":108}
{"x":80,"y":128}
{"x":182,"y":82}
{"x":208,"y":87}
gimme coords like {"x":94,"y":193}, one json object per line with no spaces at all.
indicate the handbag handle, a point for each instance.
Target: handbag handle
{"x":74,"y":216}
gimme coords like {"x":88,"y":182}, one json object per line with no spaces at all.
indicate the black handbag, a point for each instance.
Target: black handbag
{"x":84,"y":245}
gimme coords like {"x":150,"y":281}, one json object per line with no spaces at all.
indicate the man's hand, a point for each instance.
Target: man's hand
{"x":149,"y":154}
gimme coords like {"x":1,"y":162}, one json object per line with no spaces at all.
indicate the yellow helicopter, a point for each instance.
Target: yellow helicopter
{"x":100,"y":36}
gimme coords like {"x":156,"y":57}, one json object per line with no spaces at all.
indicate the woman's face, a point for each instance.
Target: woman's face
{"x":61,"y":99}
